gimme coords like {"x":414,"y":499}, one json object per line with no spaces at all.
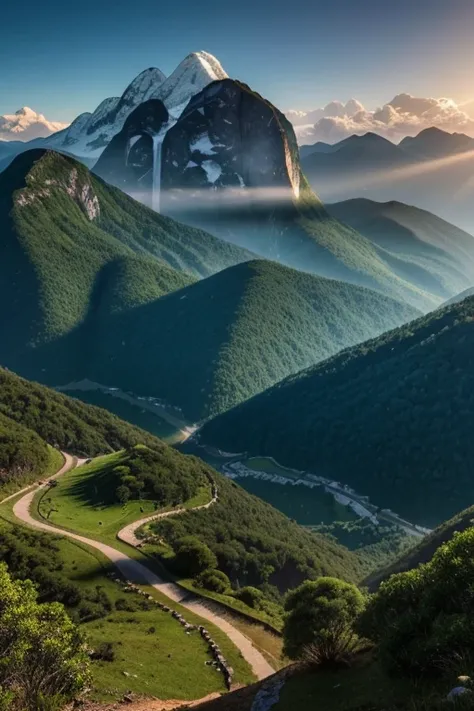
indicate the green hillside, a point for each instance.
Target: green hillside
{"x":34,"y":411}
{"x":69,"y":242}
{"x":425,"y":550}
{"x":419,"y":246}
{"x":219,"y":341}
{"x":392,"y":417}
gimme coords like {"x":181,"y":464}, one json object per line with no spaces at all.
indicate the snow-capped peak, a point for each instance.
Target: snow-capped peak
{"x":190,"y":77}
{"x":25,"y":124}
{"x":90,"y":133}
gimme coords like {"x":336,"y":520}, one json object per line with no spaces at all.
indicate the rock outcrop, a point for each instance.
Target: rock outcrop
{"x":228,"y":136}
{"x":128,"y":162}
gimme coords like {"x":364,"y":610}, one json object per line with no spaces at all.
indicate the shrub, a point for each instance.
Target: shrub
{"x":250,"y":596}
{"x":214,"y":580}
{"x":320,"y":622}
{"x":192,"y":556}
{"x":42,"y":650}
{"x":423,"y":618}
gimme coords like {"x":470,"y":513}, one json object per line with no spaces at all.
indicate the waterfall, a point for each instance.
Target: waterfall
{"x":156,"y":185}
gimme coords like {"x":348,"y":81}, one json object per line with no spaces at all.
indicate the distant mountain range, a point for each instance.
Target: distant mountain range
{"x":434,"y":170}
{"x":391,"y":417}
{"x":419,"y":246}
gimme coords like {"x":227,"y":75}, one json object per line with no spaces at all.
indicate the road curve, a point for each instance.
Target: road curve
{"x":128,"y":533}
{"x":140,"y":574}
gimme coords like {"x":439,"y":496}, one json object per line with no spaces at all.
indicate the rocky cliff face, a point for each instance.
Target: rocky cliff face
{"x":129,"y":160}
{"x":230,"y":137}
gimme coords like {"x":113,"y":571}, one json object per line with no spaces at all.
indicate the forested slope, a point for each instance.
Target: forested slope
{"x":391,"y":417}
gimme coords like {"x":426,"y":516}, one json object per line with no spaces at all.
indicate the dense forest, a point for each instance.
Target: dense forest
{"x":206,"y":347}
{"x":68,"y":243}
{"x":256,"y":545}
{"x":22,"y":451}
{"x":391,"y":417}
{"x":65,"y":422}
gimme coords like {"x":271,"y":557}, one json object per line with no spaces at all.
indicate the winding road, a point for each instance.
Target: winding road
{"x":140,"y":574}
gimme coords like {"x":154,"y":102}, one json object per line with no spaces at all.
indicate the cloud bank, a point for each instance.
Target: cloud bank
{"x":405,"y":115}
{"x":26,"y":124}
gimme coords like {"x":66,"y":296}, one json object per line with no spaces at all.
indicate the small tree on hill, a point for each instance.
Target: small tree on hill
{"x":43,"y":659}
{"x":193,"y":556}
{"x":319,"y":625}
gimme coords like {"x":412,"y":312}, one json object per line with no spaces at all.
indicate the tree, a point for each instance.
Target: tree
{"x":214,"y":580}
{"x":320,"y":620}
{"x":422,"y":619}
{"x":42,"y":651}
{"x":122,"y":494}
{"x":192,"y":556}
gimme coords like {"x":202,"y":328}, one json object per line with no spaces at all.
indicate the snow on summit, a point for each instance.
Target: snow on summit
{"x":26,"y":124}
{"x":89,"y":134}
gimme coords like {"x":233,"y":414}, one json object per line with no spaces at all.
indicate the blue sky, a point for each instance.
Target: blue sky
{"x":62,"y":59}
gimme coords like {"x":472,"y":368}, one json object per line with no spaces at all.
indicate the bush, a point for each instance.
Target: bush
{"x":250,"y":596}
{"x":41,"y":649}
{"x":192,"y":556}
{"x":423,"y":618}
{"x":214,"y":580}
{"x":320,"y":622}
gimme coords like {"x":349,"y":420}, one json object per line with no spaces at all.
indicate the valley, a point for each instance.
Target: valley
{"x":236,"y":370}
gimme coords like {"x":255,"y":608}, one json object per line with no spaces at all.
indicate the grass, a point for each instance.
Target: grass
{"x":157,"y":668}
{"x":266,"y":464}
{"x":76,"y":514}
{"x":83,"y":501}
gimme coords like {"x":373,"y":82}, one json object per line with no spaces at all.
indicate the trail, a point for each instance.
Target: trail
{"x":140,"y":574}
{"x":128,"y":533}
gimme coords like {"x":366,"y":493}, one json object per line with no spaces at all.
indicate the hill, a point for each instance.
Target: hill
{"x":69,"y":242}
{"x":419,"y":246}
{"x":219,"y":341}
{"x":390,"y":417}
{"x":230,"y":164}
{"x":432,"y":171}
{"x":425,"y":550}
{"x":64,"y":422}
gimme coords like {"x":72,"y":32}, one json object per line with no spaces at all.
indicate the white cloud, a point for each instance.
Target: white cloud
{"x":405,"y":115}
{"x":26,"y":124}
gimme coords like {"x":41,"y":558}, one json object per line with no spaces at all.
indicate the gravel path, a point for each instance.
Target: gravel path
{"x":140,"y":574}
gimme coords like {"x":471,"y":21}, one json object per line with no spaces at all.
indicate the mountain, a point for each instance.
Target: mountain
{"x":425,"y":249}
{"x":435,"y":143}
{"x":36,"y":414}
{"x":219,"y":341}
{"x":26,"y":124}
{"x":434,"y":171}
{"x":318,"y":147}
{"x":128,"y":162}
{"x":230,"y":165}
{"x":90,"y":133}
{"x":391,"y":417}
{"x":67,"y":239}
